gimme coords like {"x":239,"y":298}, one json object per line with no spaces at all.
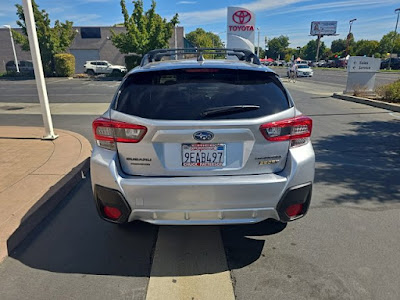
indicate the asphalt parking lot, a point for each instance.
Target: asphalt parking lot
{"x":345,"y":248}
{"x":60,"y":90}
{"x":338,"y":77}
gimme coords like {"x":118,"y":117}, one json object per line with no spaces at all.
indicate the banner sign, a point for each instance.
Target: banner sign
{"x":240,"y":28}
{"x":323,"y":28}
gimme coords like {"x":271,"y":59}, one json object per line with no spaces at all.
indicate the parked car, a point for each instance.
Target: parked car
{"x":329,"y":64}
{"x":340,"y":63}
{"x":278,"y":63}
{"x":202,"y":141}
{"x":302,"y":71}
{"x":25,"y":66}
{"x":394,"y":64}
{"x":301,"y":62}
{"x":95,"y":67}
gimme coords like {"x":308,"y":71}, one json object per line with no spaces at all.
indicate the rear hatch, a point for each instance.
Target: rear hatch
{"x":200,"y":121}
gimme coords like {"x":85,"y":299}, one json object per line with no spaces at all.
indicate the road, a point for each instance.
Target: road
{"x":338,"y":77}
{"x":345,"y":248}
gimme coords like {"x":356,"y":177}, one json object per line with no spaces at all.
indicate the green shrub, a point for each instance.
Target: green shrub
{"x":390,"y":92}
{"x":132,"y":61}
{"x":64,"y":64}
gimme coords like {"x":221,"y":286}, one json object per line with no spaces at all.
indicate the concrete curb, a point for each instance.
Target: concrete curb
{"x":375,"y":103}
{"x":38,"y":190}
{"x":46,"y":204}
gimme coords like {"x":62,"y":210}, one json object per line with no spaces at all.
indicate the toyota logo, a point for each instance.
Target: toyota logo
{"x":203,"y":135}
{"x":241,"y":17}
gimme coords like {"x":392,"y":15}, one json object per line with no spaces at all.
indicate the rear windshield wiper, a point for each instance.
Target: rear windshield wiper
{"x":226,"y":110}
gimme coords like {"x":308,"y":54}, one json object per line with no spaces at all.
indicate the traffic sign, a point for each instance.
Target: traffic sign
{"x":360,"y":64}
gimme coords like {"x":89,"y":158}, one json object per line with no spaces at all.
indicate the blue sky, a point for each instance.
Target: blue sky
{"x":273,"y":17}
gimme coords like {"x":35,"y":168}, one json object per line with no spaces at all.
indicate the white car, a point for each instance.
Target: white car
{"x":303,"y":70}
{"x":95,"y":67}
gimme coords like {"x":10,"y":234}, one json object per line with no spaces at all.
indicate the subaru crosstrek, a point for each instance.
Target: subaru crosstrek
{"x":202,"y":141}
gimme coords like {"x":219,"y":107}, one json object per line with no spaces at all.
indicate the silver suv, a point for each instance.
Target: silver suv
{"x":202,"y":141}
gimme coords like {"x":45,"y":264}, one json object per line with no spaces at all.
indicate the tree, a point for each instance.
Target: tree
{"x":291,"y":52}
{"x":365,"y":47}
{"x":277,"y":47}
{"x":388,"y":41}
{"x":262,"y":52}
{"x":204,"y":39}
{"x":52,"y":40}
{"x":310,"y":50}
{"x":338,"y":46}
{"x":145,"y":31}
{"x":327,"y":54}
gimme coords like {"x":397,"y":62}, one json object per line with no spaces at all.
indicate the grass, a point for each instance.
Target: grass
{"x":389,"y":71}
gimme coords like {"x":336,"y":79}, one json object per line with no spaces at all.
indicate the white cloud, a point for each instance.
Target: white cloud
{"x":337,"y":6}
{"x":186,"y":2}
{"x":84,"y":19}
{"x":219,"y":15}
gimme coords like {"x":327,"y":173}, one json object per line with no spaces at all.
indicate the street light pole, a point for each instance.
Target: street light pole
{"x":258,"y":42}
{"x":38,"y":69}
{"x":397,"y":10}
{"x":13,"y":47}
{"x":176,"y":42}
{"x":348,"y":36}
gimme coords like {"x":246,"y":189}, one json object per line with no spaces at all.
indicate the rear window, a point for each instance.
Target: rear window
{"x":186,"y":94}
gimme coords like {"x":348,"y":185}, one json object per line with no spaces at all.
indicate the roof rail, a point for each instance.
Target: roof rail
{"x":158,"y":54}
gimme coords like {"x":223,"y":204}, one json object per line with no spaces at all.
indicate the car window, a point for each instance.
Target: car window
{"x":303,"y":67}
{"x":185,"y":94}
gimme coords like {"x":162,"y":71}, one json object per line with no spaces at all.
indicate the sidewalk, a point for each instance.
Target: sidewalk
{"x":35,"y":176}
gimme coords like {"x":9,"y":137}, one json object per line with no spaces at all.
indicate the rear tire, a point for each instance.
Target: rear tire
{"x":90,"y":72}
{"x":116,"y":73}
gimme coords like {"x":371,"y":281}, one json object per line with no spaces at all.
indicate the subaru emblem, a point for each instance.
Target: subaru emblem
{"x":203,"y":135}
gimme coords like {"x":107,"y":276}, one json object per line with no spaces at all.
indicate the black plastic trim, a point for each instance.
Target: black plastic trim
{"x":108,"y":197}
{"x":300,"y":194}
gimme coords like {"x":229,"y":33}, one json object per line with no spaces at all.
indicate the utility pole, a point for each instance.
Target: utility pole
{"x":13,"y":47}
{"x":318,"y":45}
{"x":38,"y":68}
{"x":397,"y":10}
{"x":349,"y":36}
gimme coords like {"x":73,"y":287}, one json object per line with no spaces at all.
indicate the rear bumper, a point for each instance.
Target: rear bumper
{"x":205,"y":200}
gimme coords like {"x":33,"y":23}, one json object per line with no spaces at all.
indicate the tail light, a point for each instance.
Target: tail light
{"x":297,"y":130}
{"x":112,"y":212}
{"x":107,"y":132}
{"x":294,"y":210}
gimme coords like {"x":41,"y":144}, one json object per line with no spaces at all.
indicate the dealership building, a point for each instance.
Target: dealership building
{"x":90,"y":43}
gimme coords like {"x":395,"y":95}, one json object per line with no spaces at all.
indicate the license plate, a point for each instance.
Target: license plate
{"x":203,"y":155}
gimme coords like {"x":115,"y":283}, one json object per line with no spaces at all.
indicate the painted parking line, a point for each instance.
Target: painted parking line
{"x":189,"y":263}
